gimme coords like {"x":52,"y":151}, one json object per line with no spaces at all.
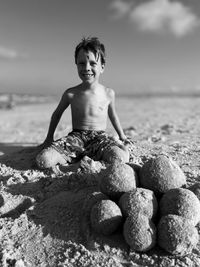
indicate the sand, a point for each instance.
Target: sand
{"x":45,"y":217}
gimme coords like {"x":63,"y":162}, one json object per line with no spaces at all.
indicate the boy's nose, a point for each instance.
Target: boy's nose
{"x":87,"y":66}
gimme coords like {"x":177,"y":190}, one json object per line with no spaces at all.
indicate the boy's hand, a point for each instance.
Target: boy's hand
{"x":127,"y":141}
{"x":123,"y":137}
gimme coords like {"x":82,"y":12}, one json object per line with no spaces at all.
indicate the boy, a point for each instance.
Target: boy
{"x":91,"y":103}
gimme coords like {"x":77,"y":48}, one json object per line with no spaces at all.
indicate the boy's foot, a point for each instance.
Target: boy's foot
{"x":56,"y":170}
{"x":69,"y":167}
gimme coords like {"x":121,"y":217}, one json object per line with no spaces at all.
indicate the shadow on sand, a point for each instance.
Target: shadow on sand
{"x":19,"y":156}
{"x":9,"y":148}
{"x":60,"y":205}
{"x":62,"y":213}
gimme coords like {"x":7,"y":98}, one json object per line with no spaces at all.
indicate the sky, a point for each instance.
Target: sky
{"x":151,"y":45}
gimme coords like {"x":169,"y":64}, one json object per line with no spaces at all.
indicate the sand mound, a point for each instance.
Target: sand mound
{"x":139,"y":200}
{"x":105,"y":217}
{"x":181,"y":202}
{"x":176,"y":235}
{"x":139,"y":232}
{"x":161,"y":174}
{"x":117,"y":179}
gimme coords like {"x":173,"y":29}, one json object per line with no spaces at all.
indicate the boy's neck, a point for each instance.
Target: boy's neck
{"x":90,"y":86}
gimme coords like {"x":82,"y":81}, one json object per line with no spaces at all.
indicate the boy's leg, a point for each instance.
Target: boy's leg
{"x":105,"y":147}
{"x":49,"y":157}
{"x":116,"y":152}
{"x":61,"y":152}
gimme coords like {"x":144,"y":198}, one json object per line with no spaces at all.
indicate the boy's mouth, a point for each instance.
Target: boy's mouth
{"x":87,"y":75}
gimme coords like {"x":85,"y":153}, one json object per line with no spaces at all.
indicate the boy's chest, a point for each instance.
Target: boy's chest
{"x":90,"y":104}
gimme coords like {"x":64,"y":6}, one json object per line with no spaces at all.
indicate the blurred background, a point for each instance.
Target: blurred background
{"x":152,"y":46}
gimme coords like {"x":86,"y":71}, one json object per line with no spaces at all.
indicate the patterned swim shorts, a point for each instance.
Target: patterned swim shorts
{"x":79,"y":143}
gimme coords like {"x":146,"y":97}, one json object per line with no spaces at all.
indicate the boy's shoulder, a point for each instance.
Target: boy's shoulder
{"x":71,"y":91}
{"x":105,"y":91}
{"x":69,"y":94}
{"x":110,"y":92}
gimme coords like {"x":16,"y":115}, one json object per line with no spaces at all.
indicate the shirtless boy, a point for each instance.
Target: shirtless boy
{"x":91,"y":103}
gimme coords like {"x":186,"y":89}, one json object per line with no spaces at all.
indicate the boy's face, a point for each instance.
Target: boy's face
{"x":89,"y":67}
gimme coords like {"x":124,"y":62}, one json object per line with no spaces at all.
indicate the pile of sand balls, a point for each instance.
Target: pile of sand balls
{"x":151,"y":205}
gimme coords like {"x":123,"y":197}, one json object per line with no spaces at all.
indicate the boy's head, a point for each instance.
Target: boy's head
{"x":91,"y":44}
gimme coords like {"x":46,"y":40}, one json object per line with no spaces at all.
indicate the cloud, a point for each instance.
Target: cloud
{"x":159,"y":15}
{"x":8,"y":53}
{"x":119,"y":8}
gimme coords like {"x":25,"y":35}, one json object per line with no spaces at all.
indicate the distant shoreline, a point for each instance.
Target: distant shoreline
{"x":135,"y":94}
{"x":158,"y":94}
{"x":9,"y":100}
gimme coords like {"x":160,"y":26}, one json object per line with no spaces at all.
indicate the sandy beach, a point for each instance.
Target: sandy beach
{"x":44,"y":217}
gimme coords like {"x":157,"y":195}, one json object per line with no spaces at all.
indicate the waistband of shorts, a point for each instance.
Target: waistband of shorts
{"x":88,"y":131}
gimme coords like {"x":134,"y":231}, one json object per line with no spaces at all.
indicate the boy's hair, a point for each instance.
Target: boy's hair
{"x":91,"y":44}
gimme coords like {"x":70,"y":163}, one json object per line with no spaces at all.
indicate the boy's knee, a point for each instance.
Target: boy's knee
{"x":45,"y":159}
{"x":115,"y":152}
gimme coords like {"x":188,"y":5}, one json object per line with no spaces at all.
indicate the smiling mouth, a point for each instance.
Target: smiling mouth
{"x":88,"y":75}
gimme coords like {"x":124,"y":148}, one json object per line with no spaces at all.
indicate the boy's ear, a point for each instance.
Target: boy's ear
{"x":102,"y":68}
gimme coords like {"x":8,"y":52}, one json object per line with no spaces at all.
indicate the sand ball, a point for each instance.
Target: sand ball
{"x":105,"y":217}
{"x":195,"y":188}
{"x":117,"y":179}
{"x":139,"y":200}
{"x":176,"y":235}
{"x":182,"y":202}
{"x":91,"y":199}
{"x":161,"y":174}
{"x":116,"y":153}
{"x":139,"y":232}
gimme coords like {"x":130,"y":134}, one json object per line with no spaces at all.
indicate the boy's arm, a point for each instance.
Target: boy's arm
{"x":55,"y":118}
{"x":114,"y":117}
